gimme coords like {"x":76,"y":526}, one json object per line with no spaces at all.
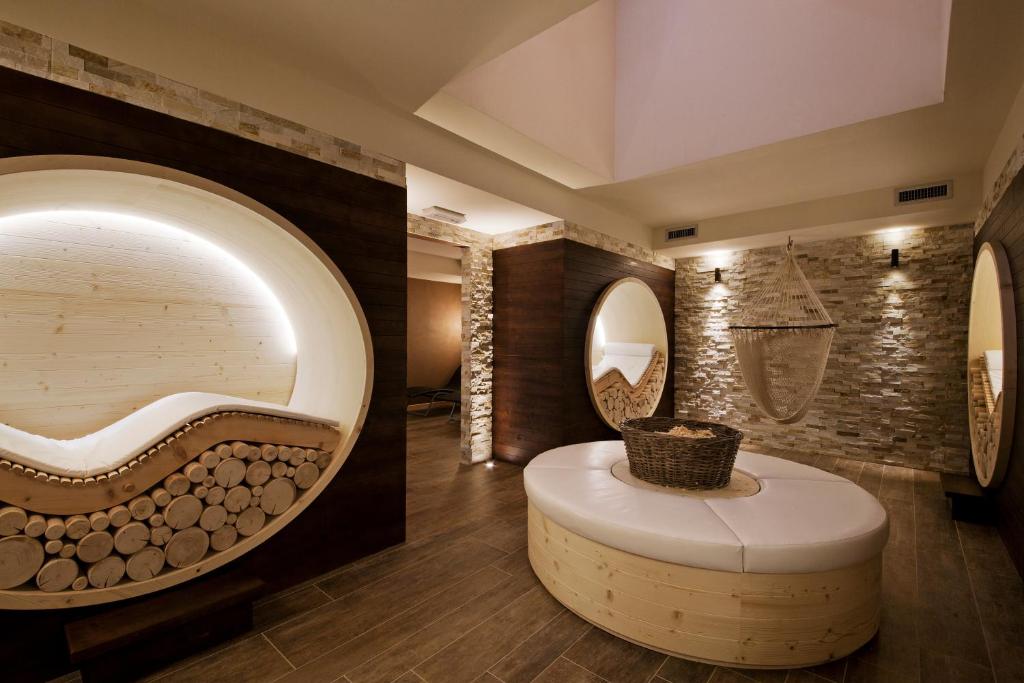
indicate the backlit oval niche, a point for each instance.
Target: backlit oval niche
{"x":627,"y":352}
{"x":146,"y":312}
{"x":991,"y":364}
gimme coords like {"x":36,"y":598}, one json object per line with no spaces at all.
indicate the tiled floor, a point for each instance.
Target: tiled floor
{"x":458,"y":601}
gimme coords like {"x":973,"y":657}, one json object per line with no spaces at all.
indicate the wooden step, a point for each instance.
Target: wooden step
{"x":968,"y":498}
{"x":128,"y":641}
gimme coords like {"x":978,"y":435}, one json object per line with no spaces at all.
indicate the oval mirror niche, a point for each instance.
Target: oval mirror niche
{"x":627,"y":352}
{"x":991,"y":364}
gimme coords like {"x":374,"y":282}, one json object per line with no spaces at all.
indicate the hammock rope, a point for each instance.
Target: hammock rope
{"x":782,"y":337}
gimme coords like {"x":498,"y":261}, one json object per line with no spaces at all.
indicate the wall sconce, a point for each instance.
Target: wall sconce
{"x":718,"y":275}
{"x":894,"y":258}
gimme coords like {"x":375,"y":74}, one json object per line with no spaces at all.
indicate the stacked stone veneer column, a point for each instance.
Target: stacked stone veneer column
{"x":477,"y":335}
{"x":894,"y":389}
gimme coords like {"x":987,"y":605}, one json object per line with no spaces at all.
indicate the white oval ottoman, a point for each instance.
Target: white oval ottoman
{"x":786,"y":575}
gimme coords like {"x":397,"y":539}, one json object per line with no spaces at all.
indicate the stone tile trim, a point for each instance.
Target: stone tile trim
{"x":40,"y":55}
{"x":477,"y":332}
{"x":583,"y":235}
{"x":1010,"y":170}
{"x":894,"y":390}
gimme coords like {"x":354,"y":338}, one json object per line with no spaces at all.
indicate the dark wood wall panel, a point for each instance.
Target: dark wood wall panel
{"x":543,"y":297}
{"x":527,"y":348}
{"x":358,"y":221}
{"x":1006,"y":225}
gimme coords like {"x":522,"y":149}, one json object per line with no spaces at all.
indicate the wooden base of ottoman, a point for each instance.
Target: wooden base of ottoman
{"x":730,"y":618}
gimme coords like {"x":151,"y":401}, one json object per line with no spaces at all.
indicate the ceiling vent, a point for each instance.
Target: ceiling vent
{"x":439,"y":213}
{"x":680,"y":233}
{"x":924,"y":193}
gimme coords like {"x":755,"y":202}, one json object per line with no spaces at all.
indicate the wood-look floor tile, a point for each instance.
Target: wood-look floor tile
{"x":895,"y":646}
{"x":860,"y":671}
{"x":937,"y":667}
{"x":305,"y":637}
{"x":826,"y":462}
{"x":485,"y":677}
{"x":871,"y":478}
{"x":764,"y":675}
{"x":1000,"y":600}
{"x":927,"y":484}
{"x":505,"y":535}
{"x":936,"y":531}
{"x":346,"y":656}
{"x":728,"y":676}
{"x":484,"y":646}
{"x":1008,"y":663}
{"x":517,"y":563}
{"x":897,"y":482}
{"x":441,"y":633}
{"x":850,"y":469}
{"x":376,"y":567}
{"x":253,"y":660}
{"x":269,"y":613}
{"x":614,"y":659}
{"x":407,"y":677}
{"x":564,"y":671}
{"x":834,"y":672}
{"x":902,"y":525}
{"x":948,"y":619}
{"x":525,"y":662}
{"x":984,"y":550}
{"x":676,"y":670}
{"x":441,"y":593}
{"x":804,"y":676}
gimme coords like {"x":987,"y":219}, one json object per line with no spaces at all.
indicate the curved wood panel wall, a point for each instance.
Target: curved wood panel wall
{"x":103,"y":313}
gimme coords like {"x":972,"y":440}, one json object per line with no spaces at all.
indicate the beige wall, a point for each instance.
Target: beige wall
{"x":434,"y":331}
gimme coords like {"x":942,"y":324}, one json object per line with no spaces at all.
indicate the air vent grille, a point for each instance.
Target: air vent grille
{"x":924,"y":193}
{"x":680,"y":233}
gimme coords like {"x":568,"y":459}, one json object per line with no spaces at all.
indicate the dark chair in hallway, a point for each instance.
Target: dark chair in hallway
{"x":449,"y":393}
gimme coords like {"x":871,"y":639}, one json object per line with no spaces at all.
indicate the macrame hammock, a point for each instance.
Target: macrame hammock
{"x":782,"y":338}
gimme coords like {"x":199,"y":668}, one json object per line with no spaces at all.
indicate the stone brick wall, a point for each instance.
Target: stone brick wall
{"x":584,"y":235}
{"x":41,"y":55}
{"x":894,"y":389}
{"x":1010,"y":170}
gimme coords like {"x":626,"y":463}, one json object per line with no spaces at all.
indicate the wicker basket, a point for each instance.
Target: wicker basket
{"x":660,"y":458}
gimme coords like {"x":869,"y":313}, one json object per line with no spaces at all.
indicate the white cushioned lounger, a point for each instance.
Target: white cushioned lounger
{"x":803,"y":519}
{"x":631,"y":360}
{"x":116,"y":444}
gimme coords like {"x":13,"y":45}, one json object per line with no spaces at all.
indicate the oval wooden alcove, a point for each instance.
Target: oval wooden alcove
{"x":218,"y":483}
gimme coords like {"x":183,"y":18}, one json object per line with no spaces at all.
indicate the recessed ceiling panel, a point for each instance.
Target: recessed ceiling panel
{"x":628,"y":88}
{"x":698,"y":79}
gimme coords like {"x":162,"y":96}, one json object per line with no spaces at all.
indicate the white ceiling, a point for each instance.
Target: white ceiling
{"x":627,"y":88}
{"x":485,"y":212}
{"x":361,"y":69}
{"x":696,"y":80}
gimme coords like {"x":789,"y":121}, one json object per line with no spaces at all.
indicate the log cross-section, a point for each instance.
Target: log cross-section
{"x":54,"y":495}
